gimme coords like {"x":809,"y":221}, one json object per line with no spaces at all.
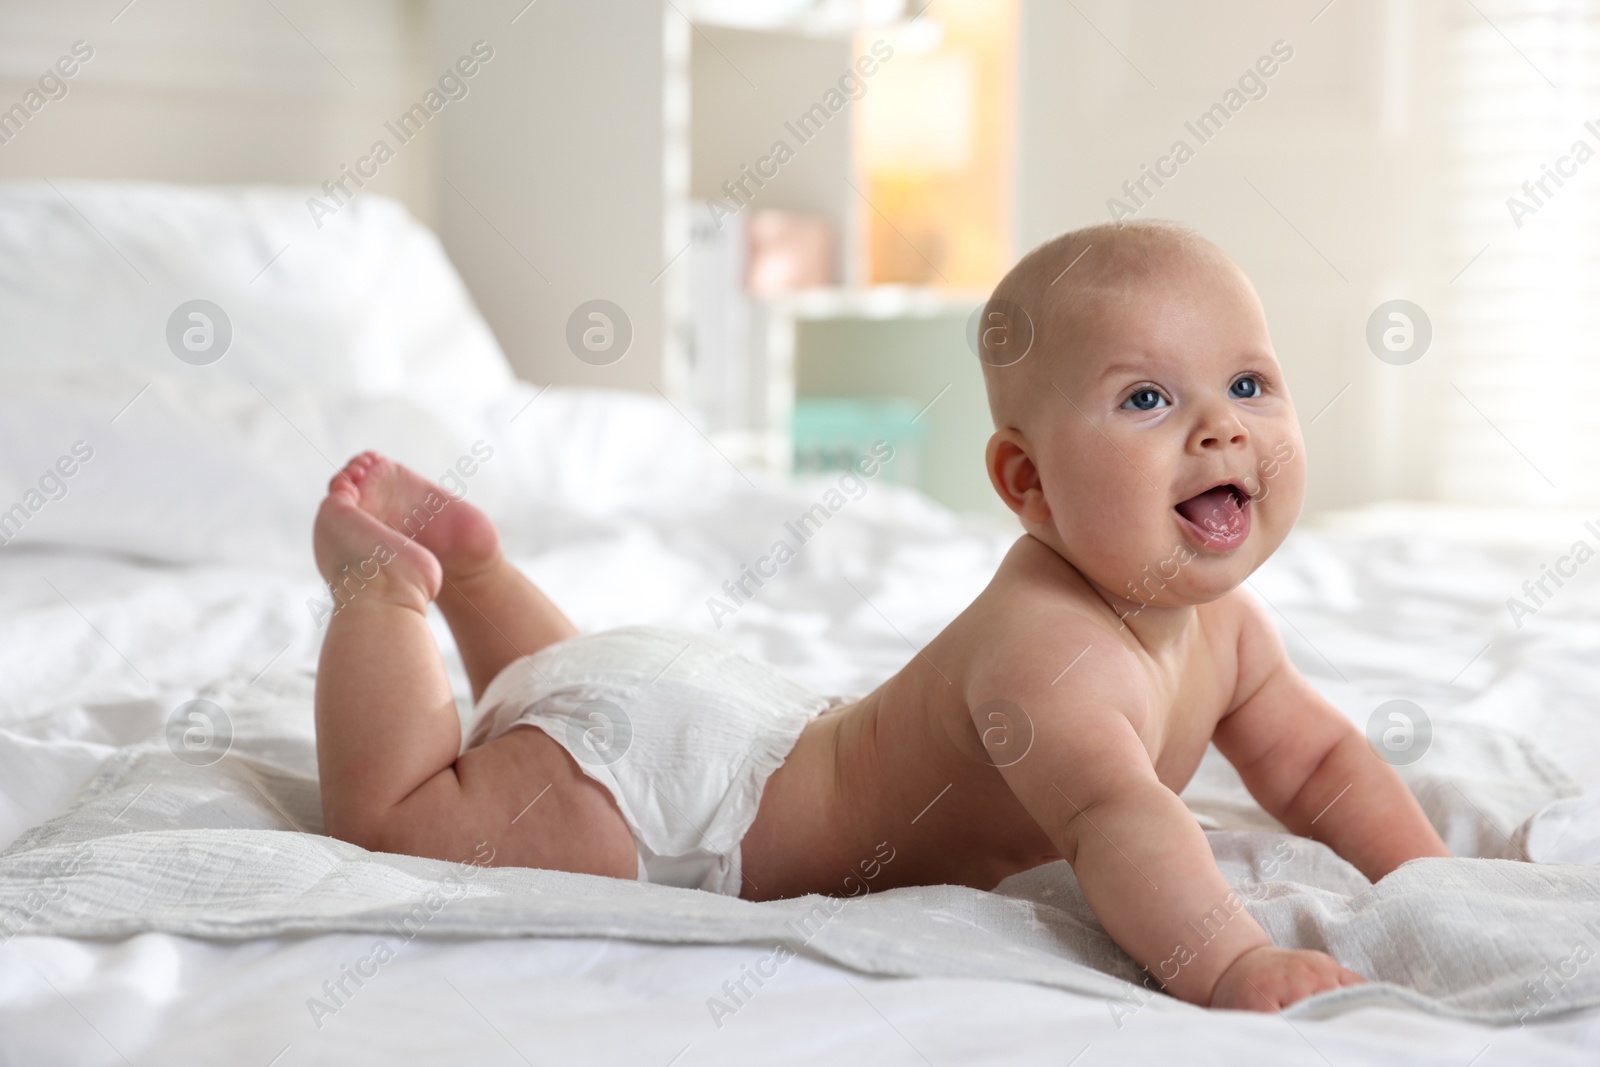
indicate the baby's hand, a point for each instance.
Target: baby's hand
{"x":1270,"y":978}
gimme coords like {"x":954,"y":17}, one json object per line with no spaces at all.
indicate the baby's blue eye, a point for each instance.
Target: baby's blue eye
{"x":1144,"y":400}
{"x":1246,"y":388}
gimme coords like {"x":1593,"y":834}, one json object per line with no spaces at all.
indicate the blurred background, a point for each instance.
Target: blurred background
{"x":797,"y":205}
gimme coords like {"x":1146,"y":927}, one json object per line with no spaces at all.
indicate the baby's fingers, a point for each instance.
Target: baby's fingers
{"x":1272,"y":979}
{"x":1268,"y":992}
{"x":1322,"y":977}
{"x":1276,"y":988}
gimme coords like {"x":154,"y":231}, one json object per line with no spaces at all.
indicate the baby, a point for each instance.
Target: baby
{"x":1145,"y":439}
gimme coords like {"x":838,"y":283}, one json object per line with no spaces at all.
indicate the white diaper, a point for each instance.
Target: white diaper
{"x":684,"y":731}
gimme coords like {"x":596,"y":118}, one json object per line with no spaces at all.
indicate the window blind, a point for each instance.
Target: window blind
{"x":1523,"y":407}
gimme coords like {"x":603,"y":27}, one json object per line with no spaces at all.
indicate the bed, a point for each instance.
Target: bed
{"x":166,"y":895}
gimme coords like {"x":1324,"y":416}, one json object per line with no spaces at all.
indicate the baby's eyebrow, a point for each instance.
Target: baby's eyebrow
{"x":1136,"y":368}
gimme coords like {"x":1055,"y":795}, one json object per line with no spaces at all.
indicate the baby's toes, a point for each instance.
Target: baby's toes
{"x":351,"y":473}
{"x":361,"y":466}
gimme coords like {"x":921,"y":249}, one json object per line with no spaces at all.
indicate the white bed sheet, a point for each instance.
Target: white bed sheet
{"x":1368,"y":615}
{"x":174,"y":1000}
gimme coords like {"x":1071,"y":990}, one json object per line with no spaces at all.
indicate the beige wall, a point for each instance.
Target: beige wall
{"x":565,"y":147}
{"x":190,"y":91}
{"x":564,"y":153}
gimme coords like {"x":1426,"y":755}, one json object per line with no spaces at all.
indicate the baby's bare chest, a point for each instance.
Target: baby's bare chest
{"x":915,"y":766}
{"x":1182,"y":707}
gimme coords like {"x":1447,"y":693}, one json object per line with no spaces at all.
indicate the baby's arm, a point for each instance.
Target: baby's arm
{"x":1142,"y":860}
{"x":1308,"y":766}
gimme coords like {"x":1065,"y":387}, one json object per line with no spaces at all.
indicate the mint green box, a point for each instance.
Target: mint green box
{"x":833,"y":433}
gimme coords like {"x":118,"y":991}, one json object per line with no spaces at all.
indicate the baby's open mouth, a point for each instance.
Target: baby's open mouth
{"x":1220,"y":516}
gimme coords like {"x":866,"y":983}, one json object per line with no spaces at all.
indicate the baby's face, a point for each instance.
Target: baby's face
{"x":1182,"y":468}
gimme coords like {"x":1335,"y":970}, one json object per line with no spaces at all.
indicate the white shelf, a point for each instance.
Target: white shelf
{"x":803,"y":18}
{"x":874,"y":302}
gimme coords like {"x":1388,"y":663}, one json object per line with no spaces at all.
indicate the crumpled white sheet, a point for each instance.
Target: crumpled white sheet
{"x":231,"y":851}
{"x":176,"y":1001}
{"x":96,"y":650}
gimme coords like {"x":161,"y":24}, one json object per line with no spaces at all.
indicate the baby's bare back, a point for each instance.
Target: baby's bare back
{"x":906,"y":785}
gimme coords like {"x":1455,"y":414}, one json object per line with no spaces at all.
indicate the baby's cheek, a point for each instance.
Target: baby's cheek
{"x":1283,"y":470}
{"x":1295,"y":482}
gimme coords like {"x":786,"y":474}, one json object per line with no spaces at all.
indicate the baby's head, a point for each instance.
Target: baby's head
{"x":1143,"y":427}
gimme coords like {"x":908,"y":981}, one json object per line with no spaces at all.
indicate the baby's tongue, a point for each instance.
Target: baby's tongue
{"x":1215,"y":509}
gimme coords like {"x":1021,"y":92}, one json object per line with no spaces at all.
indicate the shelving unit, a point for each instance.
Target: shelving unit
{"x":749,"y":71}
{"x":678,"y":99}
{"x":782,"y":321}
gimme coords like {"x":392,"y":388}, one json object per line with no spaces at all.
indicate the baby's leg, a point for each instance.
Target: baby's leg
{"x":388,"y":734}
{"x":496,"y":614}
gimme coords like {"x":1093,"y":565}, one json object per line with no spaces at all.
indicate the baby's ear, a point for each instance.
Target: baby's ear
{"x":1014,"y":476}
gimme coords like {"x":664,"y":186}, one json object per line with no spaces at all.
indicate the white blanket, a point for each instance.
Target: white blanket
{"x":231,"y":851}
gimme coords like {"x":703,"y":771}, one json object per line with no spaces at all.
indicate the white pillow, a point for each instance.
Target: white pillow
{"x":91,"y":273}
{"x":359,"y":335}
{"x":604,"y":453}
{"x":199,"y":473}
{"x":196,"y":471}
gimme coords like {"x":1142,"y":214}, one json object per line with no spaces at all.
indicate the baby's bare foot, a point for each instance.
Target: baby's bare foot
{"x":361,"y":558}
{"x":461,"y":537}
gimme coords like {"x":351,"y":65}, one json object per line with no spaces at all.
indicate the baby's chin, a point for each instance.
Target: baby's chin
{"x":1183,"y":577}
{"x":1214,"y":587}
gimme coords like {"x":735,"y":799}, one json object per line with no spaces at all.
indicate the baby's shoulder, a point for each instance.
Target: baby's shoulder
{"x":1039,"y":619}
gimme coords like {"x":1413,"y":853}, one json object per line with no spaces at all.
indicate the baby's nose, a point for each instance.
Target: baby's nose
{"x":1219,"y":432}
